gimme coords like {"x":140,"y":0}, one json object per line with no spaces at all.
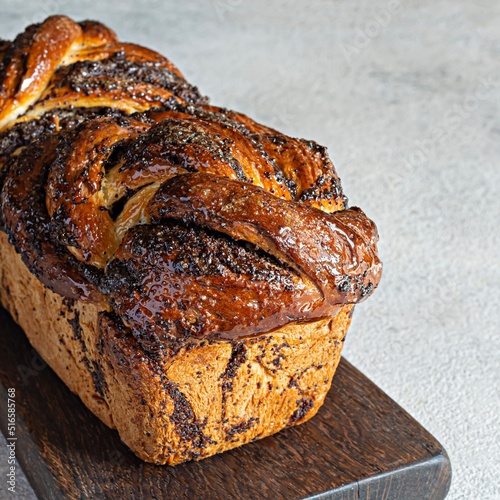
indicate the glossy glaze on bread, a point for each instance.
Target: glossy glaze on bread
{"x":178,"y":220}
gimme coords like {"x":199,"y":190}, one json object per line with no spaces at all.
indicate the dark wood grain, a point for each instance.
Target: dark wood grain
{"x":361,"y":445}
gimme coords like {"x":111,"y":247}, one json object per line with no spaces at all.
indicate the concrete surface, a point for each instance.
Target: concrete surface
{"x":406,"y":95}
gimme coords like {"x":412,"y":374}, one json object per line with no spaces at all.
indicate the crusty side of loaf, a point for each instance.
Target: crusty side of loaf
{"x":207,"y":397}
{"x":63,"y":332}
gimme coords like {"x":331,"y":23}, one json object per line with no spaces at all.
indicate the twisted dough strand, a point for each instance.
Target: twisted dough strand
{"x":52,"y":65}
{"x":28,"y":65}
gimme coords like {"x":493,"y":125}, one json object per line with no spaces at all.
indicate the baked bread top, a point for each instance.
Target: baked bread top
{"x":123,"y":186}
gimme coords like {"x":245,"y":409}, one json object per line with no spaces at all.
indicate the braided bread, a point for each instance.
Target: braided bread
{"x":188,"y":272}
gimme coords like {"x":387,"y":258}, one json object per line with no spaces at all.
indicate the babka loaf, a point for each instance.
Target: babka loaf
{"x":189,"y":273}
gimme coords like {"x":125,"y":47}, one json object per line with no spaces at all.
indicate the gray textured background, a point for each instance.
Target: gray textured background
{"x":406,"y":95}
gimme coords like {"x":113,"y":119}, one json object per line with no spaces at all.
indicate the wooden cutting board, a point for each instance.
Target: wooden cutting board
{"x":360,"y":445}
